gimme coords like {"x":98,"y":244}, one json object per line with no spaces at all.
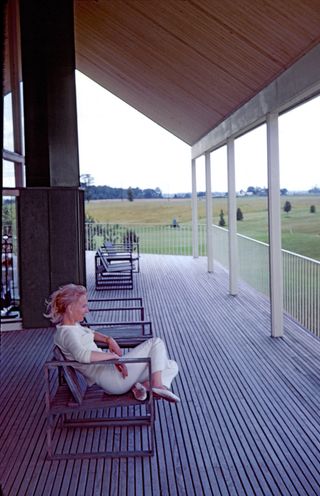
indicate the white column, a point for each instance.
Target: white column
{"x":195,"y":240}
{"x":275,"y":254}
{"x":209,"y":212}
{"x":232,"y":223}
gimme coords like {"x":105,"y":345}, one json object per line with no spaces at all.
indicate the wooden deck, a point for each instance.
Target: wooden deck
{"x":248,"y":422}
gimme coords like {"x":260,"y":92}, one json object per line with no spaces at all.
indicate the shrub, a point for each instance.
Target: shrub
{"x":89,"y":219}
{"x":130,"y":237}
{"x":239,"y":214}
{"x":130,"y":194}
{"x":312,"y":209}
{"x":222,"y":222}
{"x":287,"y":207}
{"x":112,"y":233}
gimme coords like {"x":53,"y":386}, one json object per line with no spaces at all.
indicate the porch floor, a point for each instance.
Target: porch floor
{"x":248,"y":421}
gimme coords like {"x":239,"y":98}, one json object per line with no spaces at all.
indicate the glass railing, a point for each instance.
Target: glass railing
{"x":156,"y":238}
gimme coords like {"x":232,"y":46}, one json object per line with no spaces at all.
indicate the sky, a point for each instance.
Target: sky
{"x":120,"y":147}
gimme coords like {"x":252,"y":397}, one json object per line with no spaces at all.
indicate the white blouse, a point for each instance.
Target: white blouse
{"x":77,"y":343}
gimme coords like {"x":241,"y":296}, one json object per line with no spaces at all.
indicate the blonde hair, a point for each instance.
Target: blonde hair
{"x":61,"y":299}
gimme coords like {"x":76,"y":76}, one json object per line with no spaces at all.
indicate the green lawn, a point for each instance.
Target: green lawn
{"x":300,"y":228}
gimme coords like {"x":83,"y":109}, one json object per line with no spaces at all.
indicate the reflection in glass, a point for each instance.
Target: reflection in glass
{"x":10,"y":297}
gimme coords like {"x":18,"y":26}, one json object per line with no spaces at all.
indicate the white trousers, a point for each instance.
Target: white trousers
{"x":110,"y":379}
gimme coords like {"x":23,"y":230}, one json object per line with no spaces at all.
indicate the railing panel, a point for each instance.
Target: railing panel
{"x":302,"y":290}
{"x":220,"y":245}
{"x":155,"y":239}
{"x":301,"y":276}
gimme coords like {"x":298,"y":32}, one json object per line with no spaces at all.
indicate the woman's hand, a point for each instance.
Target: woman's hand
{"x":114,"y":347}
{"x":99,"y":356}
{"x":122,"y":369}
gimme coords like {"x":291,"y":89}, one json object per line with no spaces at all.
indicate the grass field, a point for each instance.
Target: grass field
{"x":300,"y":228}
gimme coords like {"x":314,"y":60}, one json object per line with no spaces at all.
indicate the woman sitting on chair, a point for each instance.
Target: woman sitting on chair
{"x":66,"y":308}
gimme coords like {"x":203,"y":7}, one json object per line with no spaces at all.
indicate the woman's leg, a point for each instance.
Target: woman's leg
{"x":112,"y":381}
{"x":169,"y":373}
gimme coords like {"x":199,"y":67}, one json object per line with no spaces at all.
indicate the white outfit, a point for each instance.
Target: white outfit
{"x":77,"y":342}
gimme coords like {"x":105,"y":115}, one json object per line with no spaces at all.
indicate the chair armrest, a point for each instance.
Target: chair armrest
{"x":74,"y":363}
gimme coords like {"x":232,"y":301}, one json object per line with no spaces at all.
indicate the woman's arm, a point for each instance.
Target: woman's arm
{"x":98,"y":356}
{"x":112,"y":343}
{"x":101,"y":338}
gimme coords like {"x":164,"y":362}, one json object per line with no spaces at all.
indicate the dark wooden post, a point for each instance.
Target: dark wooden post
{"x":51,"y":218}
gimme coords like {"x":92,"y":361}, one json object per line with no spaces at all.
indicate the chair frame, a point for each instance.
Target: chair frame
{"x":113,"y":275}
{"x":113,"y":249}
{"x":61,"y":402}
{"x":127,"y":332}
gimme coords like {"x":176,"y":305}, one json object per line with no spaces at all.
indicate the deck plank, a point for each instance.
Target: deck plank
{"x":248,"y":423}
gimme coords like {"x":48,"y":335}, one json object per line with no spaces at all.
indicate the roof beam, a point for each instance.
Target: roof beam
{"x":298,"y":83}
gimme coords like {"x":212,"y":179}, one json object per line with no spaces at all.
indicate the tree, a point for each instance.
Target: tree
{"x":314,"y":191}
{"x":86,"y":181}
{"x":312,"y":209}
{"x":222,"y":222}
{"x":158,"y":192}
{"x":251,"y":189}
{"x":239,"y":214}
{"x":283,"y":191}
{"x":287,"y":207}
{"x":130,"y":194}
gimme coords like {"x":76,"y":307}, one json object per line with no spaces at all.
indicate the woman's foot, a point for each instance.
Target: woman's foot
{"x":139,"y":391}
{"x":164,"y":393}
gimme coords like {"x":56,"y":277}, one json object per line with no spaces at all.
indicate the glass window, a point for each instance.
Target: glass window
{"x":8,"y":174}
{"x":7,"y":123}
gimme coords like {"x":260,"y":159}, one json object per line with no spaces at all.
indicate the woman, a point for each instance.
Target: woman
{"x":66,"y":308}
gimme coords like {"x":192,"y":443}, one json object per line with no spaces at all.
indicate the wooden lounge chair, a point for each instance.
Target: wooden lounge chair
{"x":121,"y":318}
{"x":115,"y":274}
{"x":79,"y":407}
{"x":112,"y":250}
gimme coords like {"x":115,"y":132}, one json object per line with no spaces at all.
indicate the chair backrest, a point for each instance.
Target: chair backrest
{"x":110,"y":247}
{"x":74,"y":379}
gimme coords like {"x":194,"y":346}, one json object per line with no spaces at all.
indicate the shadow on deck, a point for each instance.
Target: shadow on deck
{"x":248,"y":422}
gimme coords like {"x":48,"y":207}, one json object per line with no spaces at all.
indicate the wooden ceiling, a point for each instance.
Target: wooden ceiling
{"x":189,"y":64}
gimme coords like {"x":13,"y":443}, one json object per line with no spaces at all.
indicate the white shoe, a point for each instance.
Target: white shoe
{"x":166,"y":394}
{"x":139,"y":391}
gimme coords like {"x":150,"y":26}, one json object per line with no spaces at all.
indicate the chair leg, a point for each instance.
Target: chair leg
{"x":49,"y":435}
